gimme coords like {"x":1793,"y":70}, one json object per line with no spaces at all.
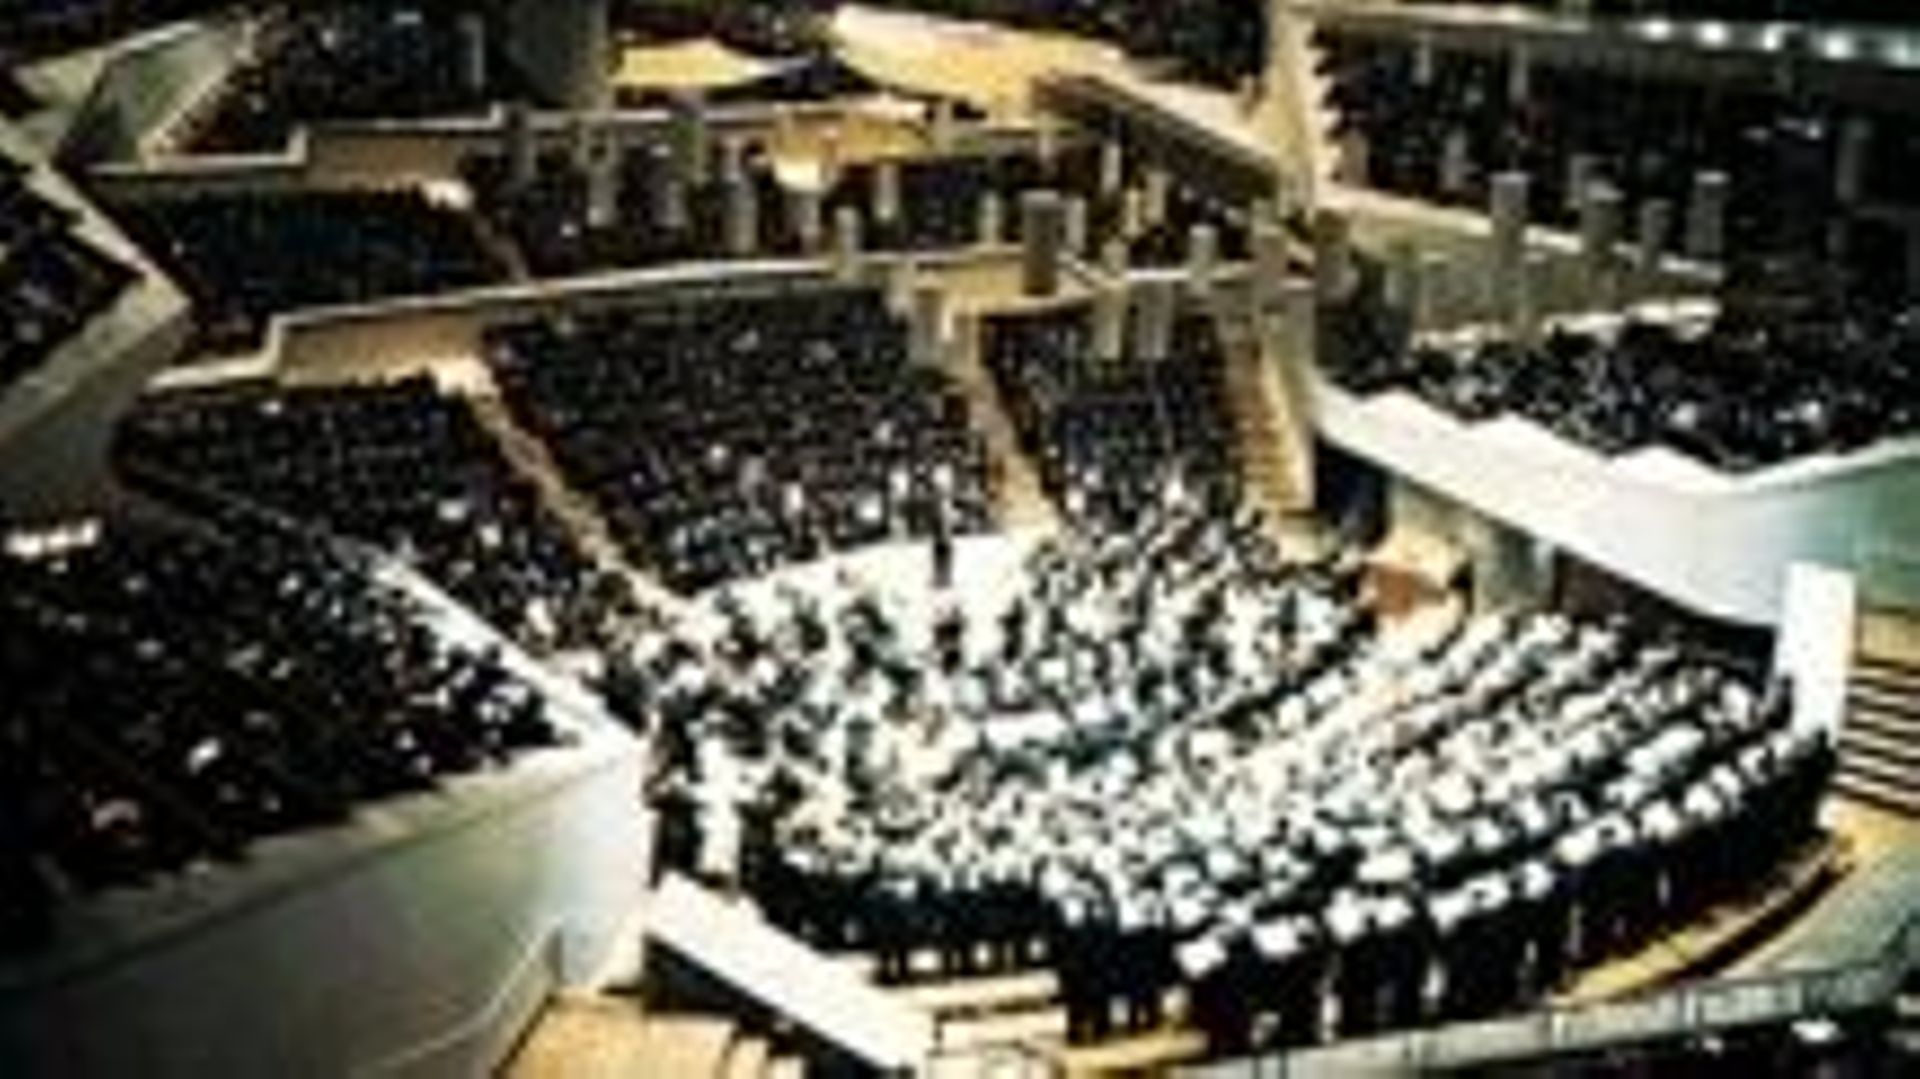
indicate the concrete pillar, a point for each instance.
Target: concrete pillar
{"x":691,"y":141}
{"x":1510,"y":569}
{"x":1356,"y":158}
{"x":1434,"y":291}
{"x":1153,"y":208}
{"x":963,"y":337}
{"x":1113,"y":168}
{"x":1402,"y":285}
{"x":846,"y":243}
{"x":671,"y":208}
{"x":472,"y":29}
{"x":1456,"y":164}
{"x":902,"y":274}
{"x":1270,"y":251}
{"x":804,"y":203}
{"x":990,"y":225}
{"x":1299,"y":323}
{"x":731,"y":158}
{"x":606,"y":172}
{"x":1109,"y":321}
{"x":927,"y":328}
{"x":1850,"y":161}
{"x":832,"y":156}
{"x":582,"y":137}
{"x":742,"y":208}
{"x":1203,"y":258}
{"x":1652,"y":230}
{"x":886,"y":192}
{"x":1520,"y":75}
{"x":1530,"y":294}
{"x":1133,"y":213}
{"x":1046,"y":146}
{"x":940,"y":125}
{"x":1582,"y":170}
{"x":1113,"y":257}
{"x":1290,"y":194}
{"x":1155,"y":305}
{"x":1042,"y":229}
{"x":1335,"y":275}
{"x":1707,"y":217}
{"x":1600,"y":220}
{"x":1074,"y":227}
{"x":1508,"y":204}
{"x":522,"y":152}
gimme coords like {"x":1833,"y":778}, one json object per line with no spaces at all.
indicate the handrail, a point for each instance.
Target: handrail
{"x":1663,"y":1015}
{"x":788,"y":976}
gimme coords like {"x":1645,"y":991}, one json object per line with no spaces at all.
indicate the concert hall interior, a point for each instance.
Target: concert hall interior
{"x":959,"y":538}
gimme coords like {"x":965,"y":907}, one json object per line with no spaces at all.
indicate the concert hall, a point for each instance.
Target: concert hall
{"x":959,"y":539}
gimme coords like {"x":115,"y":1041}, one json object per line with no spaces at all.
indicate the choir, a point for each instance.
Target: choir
{"x":1175,"y":759}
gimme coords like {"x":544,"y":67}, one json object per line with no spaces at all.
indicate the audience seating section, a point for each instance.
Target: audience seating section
{"x":400,"y":465}
{"x":173,"y":696}
{"x":725,"y":436}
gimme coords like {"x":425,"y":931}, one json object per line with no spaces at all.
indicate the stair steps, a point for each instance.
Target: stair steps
{"x":989,"y":994}
{"x":1879,"y":743}
{"x":1021,"y":500}
{"x":534,"y":463}
{"x":1031,"y":1026}
{"x":586,"y":1036}
{"x":1268,"y":441}
{"x":749,"y":1057}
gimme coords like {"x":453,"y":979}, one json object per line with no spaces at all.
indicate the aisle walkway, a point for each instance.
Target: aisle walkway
{"x":1858,"y":917}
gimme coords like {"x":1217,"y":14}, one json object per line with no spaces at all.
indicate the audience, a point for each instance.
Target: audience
{"x":174,"y":695}
{"x":34,"y":28}
{"x":1175,"y":759}
{"x":245,"y":257}
{"x":51,"y":281}
{"x":1105,"y":433}
{"x":354,"y":60}
{"x":1746,"y":390}
{"x":1439,"y":124}
{"x":402,"y":466}
{"x":726,"y":435}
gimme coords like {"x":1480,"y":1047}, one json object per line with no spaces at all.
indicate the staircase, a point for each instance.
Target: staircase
{"x":715,"y":955}
{"x":1293,"y":112}
{"x":534,"y":463}
{"x":1880,"y":737}
{"x":1271,"y":441}
{"x":601,"y":1036}
{"x":1903,"y":1037}
{"x":1021,"y":503}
